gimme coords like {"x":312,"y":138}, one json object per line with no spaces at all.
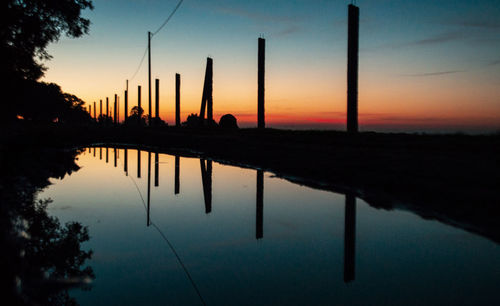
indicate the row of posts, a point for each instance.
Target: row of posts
{"x":207,"y":97}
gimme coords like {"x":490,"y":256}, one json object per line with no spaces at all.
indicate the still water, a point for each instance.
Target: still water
{"x":183,"y":231}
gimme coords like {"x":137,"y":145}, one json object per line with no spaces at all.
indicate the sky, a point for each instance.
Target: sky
{"x":423,"y":65}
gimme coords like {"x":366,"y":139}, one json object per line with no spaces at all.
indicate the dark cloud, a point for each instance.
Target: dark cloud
{"x":432,"y":73}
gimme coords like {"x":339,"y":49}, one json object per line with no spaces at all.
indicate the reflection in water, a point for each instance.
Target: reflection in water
{"x":157,"y":175}
{"x":94,"y":151}
{"x":259,"y":223}
{"x":138,"y":163}
{"x":349,"y":237}
{"x":100,"y":153}
{"x":116,"y":157}
{"x":206,"y":178}
{"x":125,"y":162}
{"x":149,"y":189}
{"x":107,"y":155}
{"x":177,"y":173}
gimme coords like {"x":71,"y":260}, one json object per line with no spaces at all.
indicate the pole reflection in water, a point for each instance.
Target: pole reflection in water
{"x":177,"y":173}
{"x":206,"y":178}
{"x":94,"y":151}
{"x":138,"y":163}
{"x":149,"y":188}
{"x":157,"y":175}
{"x":349,"y":237}
{"x":100,"y":153}
{"x":259,"y":217}
{"x":116,"y":160}
{"x":125,"y":162}
{"x":107,"y":154}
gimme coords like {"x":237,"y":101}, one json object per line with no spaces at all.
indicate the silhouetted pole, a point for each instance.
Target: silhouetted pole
{"x":118,"y":111}
{"x":261,"y":121}
{"x":149,"y":75}
{"x":107,"y":107}
{"x":207,"y":97}
{"x":138,"y":163}
{"x":100,"y":108}
{"x":116,"y":159}
{"x":95,"y":118}
{"x":349,"y":237}
{"x":90,"y":111}
{"x":125,"y":162}
{"x":177,"y":99}
{"x":149,"y":187}
{"x":259,"y":217}
{"x":139,"y":103}
{"x":116,"y":107}
{"x":126,"y":105}
{"x":157,"y":100}
{"x":352,"y":68}
{"x":157,"y":173}
{"x":177,"y":174}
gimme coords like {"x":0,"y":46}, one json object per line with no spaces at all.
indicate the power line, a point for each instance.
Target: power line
{"x":168,"y":18}
{"x":140,"y":64}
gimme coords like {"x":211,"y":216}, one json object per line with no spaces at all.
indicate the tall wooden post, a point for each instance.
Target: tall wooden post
{"x":207,"y":97}
{"x":90,"y":110}
{"x":139,"y":103}
{"x":261,"y":122}
{"x":177,"y":99}
{"x":149,"y":76}
{"x":95,"y":118}
{"x":157,"y":100}
{"x":100,"y":108}
{"x":115,"y":110}
{"x":107,"y":108}
{"x":349,"y":237}
{"x":259,"y":216}
{"x":352,"y":68}
{"x":126,"y":106}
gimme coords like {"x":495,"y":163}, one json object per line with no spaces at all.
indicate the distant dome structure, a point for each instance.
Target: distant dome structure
{"x":228,"y":121}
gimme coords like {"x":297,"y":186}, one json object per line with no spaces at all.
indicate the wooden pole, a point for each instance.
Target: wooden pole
{"x":115,"y":110}
{"x":149,"y":75}
{"x":352,"y":68}
{"x":261,"y":123}
{"x":139,"y":103}
{"x":100,"y":108}
{"x":157,"y":100}
{"x":95,"y":118}
{"x":126,"y":105}
{"x":210,"y":115}
{"x":177,"y":99}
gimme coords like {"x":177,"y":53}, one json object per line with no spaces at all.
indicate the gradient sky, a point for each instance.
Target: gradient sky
{"x":424,"y":65}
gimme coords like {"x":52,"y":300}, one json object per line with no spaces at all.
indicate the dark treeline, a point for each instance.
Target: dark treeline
{"x":27,"y":28}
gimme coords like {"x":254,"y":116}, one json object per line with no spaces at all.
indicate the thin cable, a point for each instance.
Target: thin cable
{"x":140,"y":64}
{"x":168,"y":18}
{"x":169,"y":244}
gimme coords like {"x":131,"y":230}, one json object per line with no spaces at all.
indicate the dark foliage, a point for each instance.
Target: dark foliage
{"x":228,"y":121}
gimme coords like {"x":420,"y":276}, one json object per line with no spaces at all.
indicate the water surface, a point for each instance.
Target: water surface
{"x":244,"y":237}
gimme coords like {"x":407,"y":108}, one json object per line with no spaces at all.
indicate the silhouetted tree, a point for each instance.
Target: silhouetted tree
{"x":136,"y":117}
{"x":26,"y":29}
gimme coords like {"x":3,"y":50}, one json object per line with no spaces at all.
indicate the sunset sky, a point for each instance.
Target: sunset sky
{"x":424,"y":65}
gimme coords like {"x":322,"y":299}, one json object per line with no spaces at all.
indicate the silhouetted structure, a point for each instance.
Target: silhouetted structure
{"x":138,"y":163}
{"x":107,"y":107}
{"x":206,"y":178}
{"x":349,"y":237}
{"x":157,"y":101}
{"x":259,"y":215}
{"x":149,"y":189}
{"x":100,"y":108}
{"x":157,"y":172}
{"x":149,"y":77}
{"x":177,"y":99}
{"x":352,"y":68}
{"x":95,"y":117}
{"x":207,"y":97}
{"x":261,"y":123}
{"x":228,"y":121}
{"x":139,"y":103}
{"x":125,"y":162}
{"x":177,"y":174}
{"x":115,"y":110}
{"x":90,"y":110}
{"x":126,"y":106}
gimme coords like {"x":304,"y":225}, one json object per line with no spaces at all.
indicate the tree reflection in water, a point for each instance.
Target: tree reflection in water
{"x":41,"y":259}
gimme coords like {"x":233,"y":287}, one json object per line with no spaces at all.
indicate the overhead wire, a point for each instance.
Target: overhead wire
{"x":140,"y":64}
{"x":168,"y":18}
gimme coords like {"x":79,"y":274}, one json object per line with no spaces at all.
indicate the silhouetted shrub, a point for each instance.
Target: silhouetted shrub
{"x":228,"y":121}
